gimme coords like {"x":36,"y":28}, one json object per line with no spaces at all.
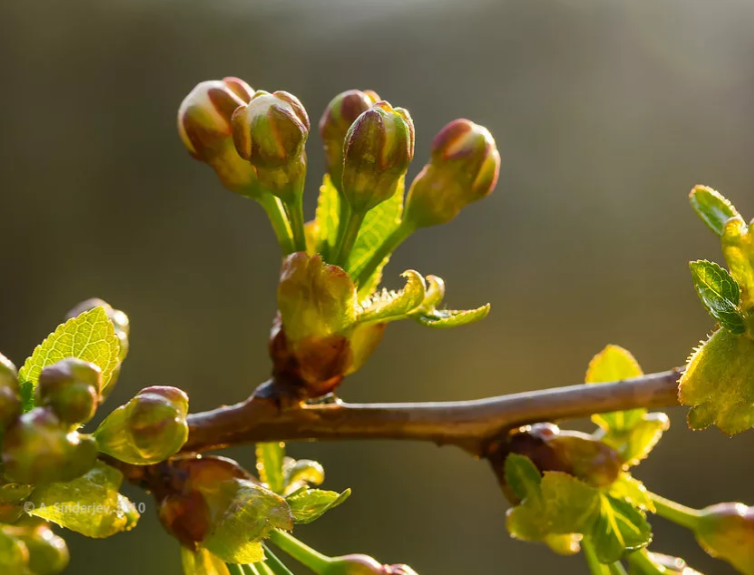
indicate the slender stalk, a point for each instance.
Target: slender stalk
{"x":262,"y":568}
{"x":234,"y":569}
{"x":250,"y":570}
{"x":392,"y":242}
{"x":279,"y":220}
{"x":641,"y":560}
{"x":675,"y":512}
{"x":348,"y":238}
{"x":277,"y":566}
{"x":595,"y":567}
{"x":299,"y":551}
{"x":617,"y":568}
{"x":296,"y":214}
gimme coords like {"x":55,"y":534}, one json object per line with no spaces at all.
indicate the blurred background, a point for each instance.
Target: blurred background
{"x":606,"y":113}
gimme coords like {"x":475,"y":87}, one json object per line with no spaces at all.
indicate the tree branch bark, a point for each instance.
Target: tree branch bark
{"x":470,"y":425}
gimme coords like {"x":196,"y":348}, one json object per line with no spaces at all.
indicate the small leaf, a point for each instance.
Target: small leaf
{"x":614,"y":364}
{"x":738,"y":249}
{"x":308,"y":505}
{"x":89,"y":336}
{"x":270,"y":459}
{"x":712,"y":207}
{"x":89,"y":505}
{"x":619,"y":528}
{"x":719,"y":293}
{"x":447,"y":318}
{"x":327,"y":217}
{"x":523,"y":477}
{"x":630,"y":489}
{"x":301,"y":473}
{"x":237,"y":533}
{"x":718,"y":383}
{"x":202,"y":563}
{"x":387,"y":306}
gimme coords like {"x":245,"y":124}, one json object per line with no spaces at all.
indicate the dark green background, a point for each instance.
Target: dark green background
{"x":606,"y":114}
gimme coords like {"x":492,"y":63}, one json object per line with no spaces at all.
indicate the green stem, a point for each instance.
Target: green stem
{"x":234,"y":569}
{"x":348,"y":238}
{"x":249,"y":570}
{"x":263,"y":569}
{"x":642,"y":561}
{"x":276,"y":213}
{"x":675,"y":512}
{"x":277,"y":566}
{"x":300,"y":551}
{"x":392,"y":242}
{"x":595,"y":567}
{"x":617,"y":568}
{"x":295,"y":211}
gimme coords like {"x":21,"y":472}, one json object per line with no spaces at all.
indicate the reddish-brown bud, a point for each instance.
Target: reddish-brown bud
{"x":358,"y":564}
{"x":71,"y":388}
{"x":463,"y":168}
{"x":378,"y":149}
{"x":10,"y":400}
{"x":341,"y":112}
{"x":726,"y":530}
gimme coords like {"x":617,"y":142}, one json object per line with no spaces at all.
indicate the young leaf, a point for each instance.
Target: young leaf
{"x":719,"y":293}
{"x":387,"y":306}
{"x":300,"y":473}
{"x":202,"y":562}
{"x":614,"y":364}
{"x":636,"y":443}
{"x":89,"y":336}
{"x":270,"y":463}
{"x":446,"y":318}
{"x":630,"y":489}
{"x":522,"y":476}
{"x":619,"y":527}
{"x":327,"y":217}
{"x":712,"y":207}
{"x":253,"y":511}
{"x":718,"y":383}
{"x":308,"y":505}
{"x":738,"y":249}
{"x":89,"y":505}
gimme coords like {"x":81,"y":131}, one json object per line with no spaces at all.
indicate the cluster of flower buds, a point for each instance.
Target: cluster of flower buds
{"x":29,"y":547}
{"x":148,"y":429}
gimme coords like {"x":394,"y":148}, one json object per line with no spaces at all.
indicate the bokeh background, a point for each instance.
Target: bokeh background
{"x":606,"y":113}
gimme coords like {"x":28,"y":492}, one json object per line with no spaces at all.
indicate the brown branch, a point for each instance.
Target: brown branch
{"x":470,"y":425}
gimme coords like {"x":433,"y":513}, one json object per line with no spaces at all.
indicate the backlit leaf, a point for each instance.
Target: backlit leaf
{"x":712,"y":207}
{"x":308,"y":505}
{"x":327,"y":217}
{"x":387,"y":306}
{"x":447,"y":318}
{"x":270,"y":460}
{"x":719,"y":293}
{"x":619,"y":528}
{"x":614,"y":364}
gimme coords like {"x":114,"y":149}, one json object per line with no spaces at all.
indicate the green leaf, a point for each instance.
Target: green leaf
{"x":719,"y":293}
{"x":712,"y":207}
{"x":327,"y":217}
{"x":522,"y":476}
{"x":738,"y":249}
{"x":300,"y":473}
{"x":378,"y":224}
{"x":619,"y":528}
{"x":237,"y":533}
{"x":718,"y":383}
{"x":636,"y":445}
{"x":630,"y":489}
{"x":89,"y":505}
{"x":270,"y":463}
{"x":310,"y":504}
{"x":614,"y":364}
{"x":446,"y":318}
{"x":89,"y":336}
{"x":387,"y":306}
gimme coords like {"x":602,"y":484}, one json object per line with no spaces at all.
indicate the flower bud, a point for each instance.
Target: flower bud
{"x":463,"y":168}
{"x":378,"y":149}
{"x":726,"y":531}
{"x":71,"y":388}
{"x":340,"y":113}
{"x":10,"y":400}
{"x":37,"y":448}
{"x":357,"y":564}
{"x":48,"y":553}
{"x":204,"y":124}
{"x":148,"y":429}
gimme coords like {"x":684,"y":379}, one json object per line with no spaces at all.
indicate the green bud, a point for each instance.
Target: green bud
{"x":463,"y":168}
{"x":358,"y":564}
{"x":204,"y":124}
{"x":378,"y":149}
{"x":340,"y":113}
{"x":270,"y":132}
{"x":726,"y":531}
{"x":14,"y":556}
{"x":71,"y":388}
{"x":48,"y":553}
{"x":10,"y":400}
{"x":148,"y":429}
{"x":38,"y":448}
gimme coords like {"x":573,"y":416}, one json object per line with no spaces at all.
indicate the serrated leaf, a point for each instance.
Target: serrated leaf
{"x":630,"y":489}
{"x":719,"y":293}
{"x":327,"y":217}
{"x":738,"y":249}
{"x":89,"y":336}
{"x":618,"y":528}
{"x":270,"y":463}
{"x":523,"y":477}
{"x":307,"y":505}
{"x":89,"y":505}
{"x":714,"y":209}
{"x":614,"y":363}
{"x":378,"y":224}
{"x":718,"y":383}
{"x":253,"y":512}
{"x":202,"y":562}
{"x":447,"y":318}
{"x":387,"y":306}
